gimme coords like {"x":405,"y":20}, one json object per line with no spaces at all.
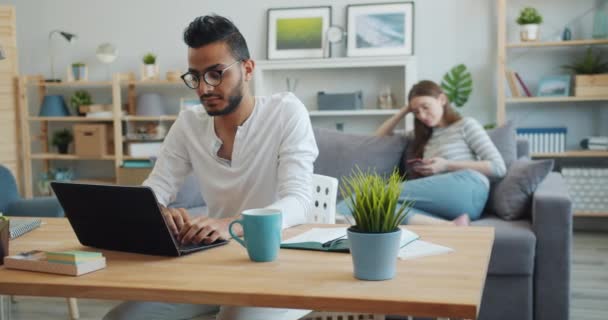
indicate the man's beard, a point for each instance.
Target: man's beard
{"x":234,"y":101}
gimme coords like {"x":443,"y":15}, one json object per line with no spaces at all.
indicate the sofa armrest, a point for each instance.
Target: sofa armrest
{"x":36,"y":207}
{"x":552,"y":225}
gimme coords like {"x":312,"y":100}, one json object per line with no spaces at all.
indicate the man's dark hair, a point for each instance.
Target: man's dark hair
{"x":208,"y":29}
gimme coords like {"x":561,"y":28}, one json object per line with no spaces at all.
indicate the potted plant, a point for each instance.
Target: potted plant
{"x":150,"y":68}
{"x":62,"y":139}
{"x":79,"y":71}
{"x":529,"y":19}
{"x":591,"y":75}
{"x":80,"y":98}
{"x":375,"y":237}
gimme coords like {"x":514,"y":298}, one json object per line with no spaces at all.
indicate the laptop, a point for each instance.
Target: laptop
{"x":121,"y":218}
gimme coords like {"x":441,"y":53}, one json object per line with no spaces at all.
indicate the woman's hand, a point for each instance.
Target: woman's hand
{"x":432,"y":166}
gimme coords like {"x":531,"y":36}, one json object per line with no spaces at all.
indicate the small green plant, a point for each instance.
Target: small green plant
{"x":78,"y":64}
{"x":458,"y":85}
{"x":62,"y":137}
{"x":589,"y":64}
{"x":529,"y":15}
{"x":80,"y":98}
{"x":149,"y":58}
{"x":374,"y":201}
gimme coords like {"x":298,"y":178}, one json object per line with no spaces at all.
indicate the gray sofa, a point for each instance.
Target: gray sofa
{"x":529,"y":271}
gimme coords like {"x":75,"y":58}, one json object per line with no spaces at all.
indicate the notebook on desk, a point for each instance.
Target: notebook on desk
{"x":20,"y":226}
{"x":121,"y":218}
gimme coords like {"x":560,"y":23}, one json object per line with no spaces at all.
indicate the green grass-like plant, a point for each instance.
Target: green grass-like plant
{"x":589,"y":64}
{"x":78,"y":64}
{"x":149,"y":58}
{"x":529,"y":15}
{"x":80,"y":98}
{"x":373,"y":200}
{"x":458,"y":85}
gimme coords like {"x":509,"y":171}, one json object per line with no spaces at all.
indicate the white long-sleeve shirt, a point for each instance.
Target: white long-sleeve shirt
{"x":271,"y":166}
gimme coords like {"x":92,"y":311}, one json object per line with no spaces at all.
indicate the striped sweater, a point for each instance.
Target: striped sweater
{"x":465,"y":140}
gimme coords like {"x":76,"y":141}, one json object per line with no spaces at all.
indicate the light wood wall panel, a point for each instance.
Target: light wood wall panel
{"x":10,"y":144}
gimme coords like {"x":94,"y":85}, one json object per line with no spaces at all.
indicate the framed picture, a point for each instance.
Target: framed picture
{"x":188,"y":103}
{"x":298,"y":32}
{"x":554,"y":86}
{"x":380,"y":29}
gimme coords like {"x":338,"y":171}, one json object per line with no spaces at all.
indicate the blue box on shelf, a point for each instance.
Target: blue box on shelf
{"x":340,"y":101}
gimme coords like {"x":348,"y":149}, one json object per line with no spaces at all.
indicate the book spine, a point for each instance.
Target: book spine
{"x":512,"y":84}
{"x":523,"y":85}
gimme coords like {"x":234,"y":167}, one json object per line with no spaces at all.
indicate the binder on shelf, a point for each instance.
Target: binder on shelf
{"x":545,"y":140}
{"x":512,"y":84}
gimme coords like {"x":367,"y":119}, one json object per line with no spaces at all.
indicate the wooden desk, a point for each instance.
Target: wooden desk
{"x":448,"y":285}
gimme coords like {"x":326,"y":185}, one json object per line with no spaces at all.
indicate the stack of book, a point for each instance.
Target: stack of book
{"x":595,"y":143}
{"x":516,"y":85}
{"x":72,"y":263}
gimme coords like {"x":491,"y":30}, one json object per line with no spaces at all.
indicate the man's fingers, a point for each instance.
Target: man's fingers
{"x":212,"y":237}
{"x":169,"y":219}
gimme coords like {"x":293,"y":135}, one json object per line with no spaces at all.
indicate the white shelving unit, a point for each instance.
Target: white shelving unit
{"x":341,"y":75}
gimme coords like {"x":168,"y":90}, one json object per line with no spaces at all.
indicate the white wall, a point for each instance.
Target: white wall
{"x":447,"y":32}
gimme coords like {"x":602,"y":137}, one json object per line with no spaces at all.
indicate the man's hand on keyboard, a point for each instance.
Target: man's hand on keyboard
{"x":206,"y":230}
{"x":176,"y":218}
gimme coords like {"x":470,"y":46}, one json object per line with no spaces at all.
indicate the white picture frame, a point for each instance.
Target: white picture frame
{"x":380,"y":29}
{"x":295,"y":33}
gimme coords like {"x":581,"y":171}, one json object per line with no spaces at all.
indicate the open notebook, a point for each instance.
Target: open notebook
{"x":20,"y":226}
{"x":334,"y":240}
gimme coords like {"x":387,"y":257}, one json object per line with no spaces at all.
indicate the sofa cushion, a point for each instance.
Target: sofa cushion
{"x":512,"y":197}
{"x":505,"y":140}
{"x":340,"y":153}
{"x":514,"y":246}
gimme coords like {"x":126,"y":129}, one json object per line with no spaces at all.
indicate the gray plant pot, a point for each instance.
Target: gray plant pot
{"x":374,"y":254}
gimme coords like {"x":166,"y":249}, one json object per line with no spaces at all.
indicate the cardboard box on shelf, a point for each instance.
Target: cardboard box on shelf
{"x":132,"y":176}
{"x":93,"y":140}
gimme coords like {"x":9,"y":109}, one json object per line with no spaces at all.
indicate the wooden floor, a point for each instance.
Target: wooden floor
{"x":589,"y":288}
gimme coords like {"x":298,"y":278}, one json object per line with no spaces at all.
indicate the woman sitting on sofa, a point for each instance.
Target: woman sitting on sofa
{"x":451,"y":160}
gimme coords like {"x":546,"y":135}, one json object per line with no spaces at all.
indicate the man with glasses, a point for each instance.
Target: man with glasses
{"x":246,"y":152}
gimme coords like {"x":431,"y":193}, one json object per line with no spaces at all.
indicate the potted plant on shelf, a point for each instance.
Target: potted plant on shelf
{"x":79,"y":71}
{"x":590,"y":75}
{"x":81,"y":98}
{"x":375,"y":237}
{"x":529,"y":19}
{"x":150,"y":68}
{"x":62,"y":139}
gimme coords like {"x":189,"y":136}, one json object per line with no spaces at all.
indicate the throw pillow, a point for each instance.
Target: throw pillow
{"x":505,"y":140}
{"x":511,"y":198}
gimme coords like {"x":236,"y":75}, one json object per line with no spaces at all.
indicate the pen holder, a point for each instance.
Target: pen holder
{"x":4,"y":236}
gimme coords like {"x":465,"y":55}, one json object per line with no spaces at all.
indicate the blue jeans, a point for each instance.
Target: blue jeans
{"x":445,"y":196}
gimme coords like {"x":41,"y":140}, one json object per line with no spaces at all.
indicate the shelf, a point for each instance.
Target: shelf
{"x":590,"y":214}
{"x":333,"y":63}
{"x":573,"y":154}
{"x":159,"y":118}
{"x":70,"y":119}
{"x":554,"y":99}
{"x":544,"y":44}
{"x":135,"y":158}
{"x":95,"y":181}
{"x":154,"y":82}
{"x":57,"y":156}
{"x":353,"y":113}
{"x":73,"y":84}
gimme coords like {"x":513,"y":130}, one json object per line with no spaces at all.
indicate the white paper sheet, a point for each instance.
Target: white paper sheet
{"x":421,"y":248}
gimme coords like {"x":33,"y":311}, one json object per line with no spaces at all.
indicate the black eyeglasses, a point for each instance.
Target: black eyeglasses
{"x":211,"y":77}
